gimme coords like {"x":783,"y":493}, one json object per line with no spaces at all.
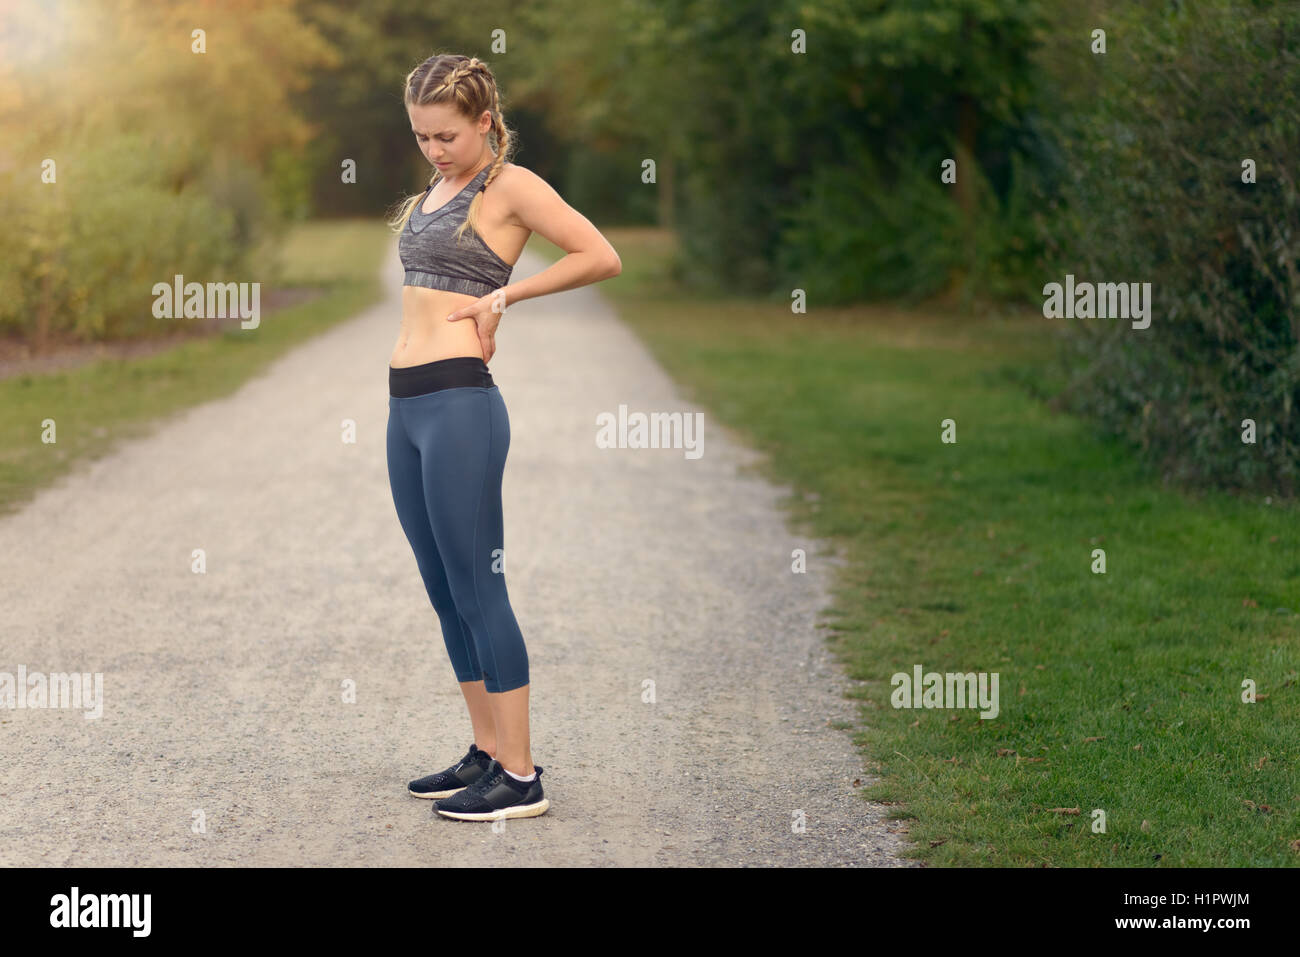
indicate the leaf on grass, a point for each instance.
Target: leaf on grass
{"x":1099,"y":737}
{"x":1063,"y":810}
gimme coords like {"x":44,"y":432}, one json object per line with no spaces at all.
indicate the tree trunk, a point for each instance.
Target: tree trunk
{"x":667,"y":192}
{"x":967,"y":124}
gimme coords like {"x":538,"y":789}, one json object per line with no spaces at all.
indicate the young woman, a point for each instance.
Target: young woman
{"x":448,"y":432}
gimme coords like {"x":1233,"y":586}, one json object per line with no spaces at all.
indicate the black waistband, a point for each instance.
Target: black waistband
{"x":457,"y":372}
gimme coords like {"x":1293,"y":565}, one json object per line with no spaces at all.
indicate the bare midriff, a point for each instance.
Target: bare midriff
{"x":425,"y":334}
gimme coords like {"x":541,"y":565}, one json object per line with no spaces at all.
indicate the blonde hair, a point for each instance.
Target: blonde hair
{"x":468,"y":84}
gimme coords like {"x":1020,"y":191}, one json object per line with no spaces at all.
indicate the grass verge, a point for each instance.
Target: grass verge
{"x":1120,"y":692}
{"x":94,"y":406}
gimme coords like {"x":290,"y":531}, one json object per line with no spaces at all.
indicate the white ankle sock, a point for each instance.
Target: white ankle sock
{"x":517,"y":777}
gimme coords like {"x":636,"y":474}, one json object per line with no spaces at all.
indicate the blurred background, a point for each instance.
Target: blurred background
{"x":799,"y":263}
{"x":775,"y":170}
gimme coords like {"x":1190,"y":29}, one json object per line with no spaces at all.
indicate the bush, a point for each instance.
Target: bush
{"x":1156,"y":195}
{"x":906,"y":235}
{"x":82,"y":255}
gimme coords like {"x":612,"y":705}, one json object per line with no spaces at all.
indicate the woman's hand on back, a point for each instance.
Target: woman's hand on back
{"x":486,"y":313}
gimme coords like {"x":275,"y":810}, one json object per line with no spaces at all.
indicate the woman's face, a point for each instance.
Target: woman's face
{"x":448,"y":141}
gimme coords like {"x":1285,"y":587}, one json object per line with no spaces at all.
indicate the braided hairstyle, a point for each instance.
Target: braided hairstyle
{"x":468,"y":84}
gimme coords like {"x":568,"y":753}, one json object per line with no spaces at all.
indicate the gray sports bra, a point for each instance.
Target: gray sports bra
{"x":433,"y":259}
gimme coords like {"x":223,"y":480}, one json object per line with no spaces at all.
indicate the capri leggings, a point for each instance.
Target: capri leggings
{"x":448,"y":435}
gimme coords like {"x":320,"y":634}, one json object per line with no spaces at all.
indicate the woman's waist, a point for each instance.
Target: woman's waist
{"x":414,"y":350}
{"x":426,"y":325}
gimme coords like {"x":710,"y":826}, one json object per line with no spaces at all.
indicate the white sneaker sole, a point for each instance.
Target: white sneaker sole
{"x":434,"y":794}
{"x":519,"y":810}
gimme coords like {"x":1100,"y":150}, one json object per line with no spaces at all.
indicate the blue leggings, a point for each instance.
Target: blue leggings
{"x":446,"y":457}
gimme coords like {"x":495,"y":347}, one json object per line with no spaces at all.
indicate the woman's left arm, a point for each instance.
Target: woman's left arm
{"x":588,"y":258}
{"x":588,"y":255}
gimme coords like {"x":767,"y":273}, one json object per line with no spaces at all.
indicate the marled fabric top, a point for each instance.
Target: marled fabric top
{"x":432,"y":257}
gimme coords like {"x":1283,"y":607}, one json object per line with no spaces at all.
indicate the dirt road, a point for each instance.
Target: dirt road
{"x":225,"y":737}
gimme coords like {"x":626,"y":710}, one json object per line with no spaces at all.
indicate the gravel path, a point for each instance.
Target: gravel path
{"x":225,"y":739}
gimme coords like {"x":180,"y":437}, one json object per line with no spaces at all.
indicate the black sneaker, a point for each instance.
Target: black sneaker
{"x":496,"y":795}
{"x":457,"y":777}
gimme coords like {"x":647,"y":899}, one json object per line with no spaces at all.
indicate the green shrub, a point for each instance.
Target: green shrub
{"x":1187,"y":93}
{"x":862,"y":234}
{"x":82,"y":255}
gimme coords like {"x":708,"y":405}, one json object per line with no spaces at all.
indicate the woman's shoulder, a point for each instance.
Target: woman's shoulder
{"x":516,"y":181}
{"x":515,"y":172}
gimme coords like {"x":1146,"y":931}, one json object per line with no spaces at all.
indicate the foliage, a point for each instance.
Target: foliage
{"x":1156,"y":194}
{"x":157,"y":169}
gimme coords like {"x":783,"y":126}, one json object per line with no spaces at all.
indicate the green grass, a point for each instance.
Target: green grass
{"x":96,"y":405}
{"x":977,"y":556}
